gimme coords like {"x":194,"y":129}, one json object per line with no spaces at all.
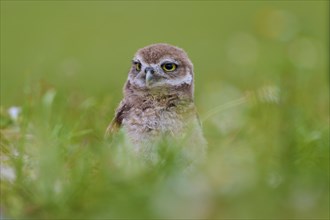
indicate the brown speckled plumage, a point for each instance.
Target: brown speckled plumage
{"x":159,"y":104}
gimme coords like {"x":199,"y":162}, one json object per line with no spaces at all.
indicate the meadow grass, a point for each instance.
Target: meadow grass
{"x":275,"y":165}
{"x":262,"y":92}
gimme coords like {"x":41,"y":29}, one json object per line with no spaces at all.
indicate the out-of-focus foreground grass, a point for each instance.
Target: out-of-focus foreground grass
{"x":261,"y":90}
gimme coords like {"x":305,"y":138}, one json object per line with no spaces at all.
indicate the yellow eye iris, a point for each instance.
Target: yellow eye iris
{"x":169,"y":67}
{"x":137,"y":66}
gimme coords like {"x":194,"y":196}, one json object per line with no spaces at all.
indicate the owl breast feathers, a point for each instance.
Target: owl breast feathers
{"x":158,"y":104}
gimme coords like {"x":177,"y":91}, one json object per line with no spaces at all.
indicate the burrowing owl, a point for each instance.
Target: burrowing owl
{"x":159,"y":104}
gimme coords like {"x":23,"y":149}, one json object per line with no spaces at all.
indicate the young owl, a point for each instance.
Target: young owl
{"x":159,"y":104}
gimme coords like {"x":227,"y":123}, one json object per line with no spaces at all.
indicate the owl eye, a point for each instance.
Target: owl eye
{"x":169,"y":67}
{"x":137,"y":66}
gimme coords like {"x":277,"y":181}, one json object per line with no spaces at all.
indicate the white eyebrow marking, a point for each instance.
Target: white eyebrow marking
{"x":169,"y":60}
{"x":137,"y":57}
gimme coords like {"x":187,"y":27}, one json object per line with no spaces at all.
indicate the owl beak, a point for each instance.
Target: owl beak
{"x":148,"y":78}
{"x":149,"y":75}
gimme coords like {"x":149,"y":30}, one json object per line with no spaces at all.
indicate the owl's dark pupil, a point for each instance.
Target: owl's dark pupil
{"x":169,"y":66}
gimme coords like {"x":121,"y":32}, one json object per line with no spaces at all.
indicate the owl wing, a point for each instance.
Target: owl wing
{"x":116,"y":122}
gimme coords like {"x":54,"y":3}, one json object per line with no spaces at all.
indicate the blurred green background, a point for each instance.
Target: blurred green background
{"x":262,"y":90}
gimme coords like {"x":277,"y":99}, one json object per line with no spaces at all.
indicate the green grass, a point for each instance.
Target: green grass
{"x":261,"y":90}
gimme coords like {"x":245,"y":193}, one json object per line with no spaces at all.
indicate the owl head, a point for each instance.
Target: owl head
{"x":160,"y":68}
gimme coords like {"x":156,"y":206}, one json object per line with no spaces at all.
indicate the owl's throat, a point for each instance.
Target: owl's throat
{"x":182,"y":92}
